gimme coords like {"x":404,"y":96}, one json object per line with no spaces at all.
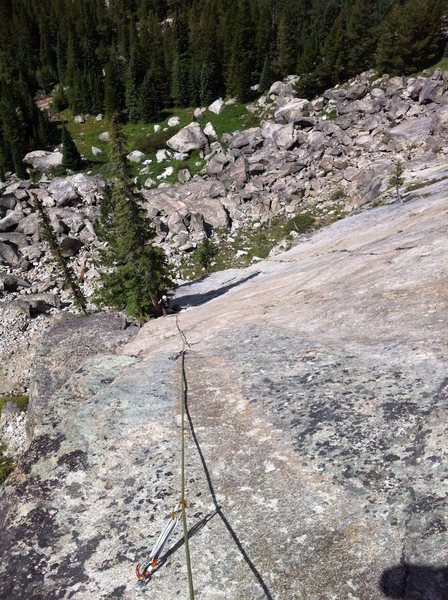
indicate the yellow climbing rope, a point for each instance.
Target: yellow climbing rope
{"x":144,"y":572}
{"x":183,"y":502}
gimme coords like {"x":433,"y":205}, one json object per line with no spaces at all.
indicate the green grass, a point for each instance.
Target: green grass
{"x":20,"y":401}
{"x":141,"y":136}
{"x":6,"y":464}
{"x":258,"y":243}
{"x":232,"y":118}
{"x":412,"y":187}
{"x":442,"y":64}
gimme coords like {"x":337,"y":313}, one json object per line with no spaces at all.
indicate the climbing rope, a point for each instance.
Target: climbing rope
{"x":183,"y":501}
{"x":145,"y":572}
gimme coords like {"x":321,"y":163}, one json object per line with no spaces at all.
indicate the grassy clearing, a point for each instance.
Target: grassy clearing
{"x":141,"y":136}
{"x":249,"y":245}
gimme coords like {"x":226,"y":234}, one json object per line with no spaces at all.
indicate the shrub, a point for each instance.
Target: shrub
{"x":301,"y":223}
{"x":204,"y":254}
{"x":149,"y":144}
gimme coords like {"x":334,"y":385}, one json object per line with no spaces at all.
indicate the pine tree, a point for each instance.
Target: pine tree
{"x":362,"y":34}
{"x":71,"y":157}
{"x":396,"y":179}
{"x":132,"y":84}
{"x":266,"y":78}
{"x":150,"y":98}
{"x":180,"y":82}
{"x":49,"y":235}
{"x":332,"y":68}
{"x":136,"y":272}
{"x":423,"y":31}
{"x":392,"y":44}
{"x":242,"y":58}
{"x":113,"y":87}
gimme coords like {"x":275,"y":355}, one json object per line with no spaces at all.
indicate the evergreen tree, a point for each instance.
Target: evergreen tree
{"x":396,"y":179}
{"x":242,"y":58}
{"x":392,"y":44}
{"x":132,"y":85}
{"x":424,"y":34}
{"x":362,"y":34}
{"x":49,"y":235}
{"x":136,"y":272}
{"x":113,"y":87}
{"x":71,"y":157}
{"x":266,"y":78}
{"x":180,"y":81}
{"x":150,"y":98}
{"x":332,"y":68}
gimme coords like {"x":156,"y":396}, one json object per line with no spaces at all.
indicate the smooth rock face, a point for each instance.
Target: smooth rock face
{"x":64,"y":348}
{"x":317,"y":389}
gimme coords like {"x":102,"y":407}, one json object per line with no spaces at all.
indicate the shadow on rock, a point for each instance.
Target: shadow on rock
{"x":198,"y":299}
{"x":415,"y":582}
{"x":218,"y":509}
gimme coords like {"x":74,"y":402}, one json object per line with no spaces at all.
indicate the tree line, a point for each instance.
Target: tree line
{"x":140,"y":56}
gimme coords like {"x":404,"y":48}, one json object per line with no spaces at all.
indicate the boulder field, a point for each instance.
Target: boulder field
{"x":317,"y":384}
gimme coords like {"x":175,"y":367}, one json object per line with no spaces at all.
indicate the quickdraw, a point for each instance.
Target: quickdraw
{"x":144,"y":572}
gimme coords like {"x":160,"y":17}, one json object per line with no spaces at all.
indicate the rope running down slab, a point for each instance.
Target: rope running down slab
{"x":183,"y":501}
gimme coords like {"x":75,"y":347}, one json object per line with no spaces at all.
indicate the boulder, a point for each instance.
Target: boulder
{"x":235,"y":174}
{"x":7,"y":202}
{"x":249,"y":137}
{"x":104,"y":137}
{"x":216,"y":106}
{"x":188,"y":138}
{"x":216,"y":165}
{"x":157,"y":128}
{"x":316,"y":141}
{"x":162,"y":155}
{"x":13,"y":237}
{"x":415,"y":87}
{"x":210,"y":132}
{"x":285,"y":138}
{"x":357,"y":91}
{"x":268,"y":128}
{"x":9,"y":255}
{"x":166,"y":173}
{"x":280,"y":88}
{"x":292,"y":111}
{"x":173,"y":121}
{"x":96,"y":151}
{"x":79,"y":119}
{"x":195,"y":222}
{"x":70,"y":246}
{"x":198,"y":112}
{"x":136,"y":156}
{"x":439,"y":124}
{"x":68,"y":191}
{"x":431,"y":91}
{"x":176,"y":224}
{"x":99,"y":117}
{"x":11,"y":220}
{"x":29,"y":225}
{"x":43,"y":161}
{"x":184,"y":175}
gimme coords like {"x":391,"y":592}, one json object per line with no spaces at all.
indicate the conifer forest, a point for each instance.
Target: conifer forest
{"x":140,"y":56}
